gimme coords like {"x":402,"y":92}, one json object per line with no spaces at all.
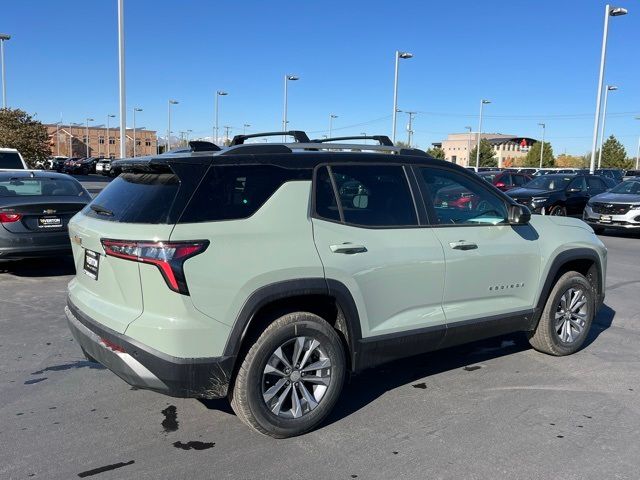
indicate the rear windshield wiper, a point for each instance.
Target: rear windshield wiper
{"x":99,"y":209}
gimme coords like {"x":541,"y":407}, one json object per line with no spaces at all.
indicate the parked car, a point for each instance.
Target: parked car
{"x":561,"y":195}
{"x":619,"y":208}
{"x":82,"y":166}
{"x":505,"y":180}
{"x":57,"y":163}
{"x":35,"y":209}
{"x":631,"y":175}
{"x":103,"y":166}
{"x":268,"y":272}
{"x":614,"y":174}
{"x":10,"y":159}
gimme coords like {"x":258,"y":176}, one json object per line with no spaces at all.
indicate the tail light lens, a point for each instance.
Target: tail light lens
{"x":10,"y":217}
{"x":169,"y":257}
{"x":500,"y":184}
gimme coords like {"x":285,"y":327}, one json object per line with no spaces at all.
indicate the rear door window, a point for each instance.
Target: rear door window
{"x":11,"y":160}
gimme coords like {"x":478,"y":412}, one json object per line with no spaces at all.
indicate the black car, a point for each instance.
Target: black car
{"x":564,"y":195}
{"x":35,"y":208}
{"x":614,"y":174}
{"x":82,"y":166}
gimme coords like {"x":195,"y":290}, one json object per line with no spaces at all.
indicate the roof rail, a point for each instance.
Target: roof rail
{"x":381,"y":139}
{"x":261,"y":148}
{"x":203,"y":146}
{"x":298,"y":135}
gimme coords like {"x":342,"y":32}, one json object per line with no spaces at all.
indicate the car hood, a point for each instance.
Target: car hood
{"x":610,"y":197}
{"x":529,"y":192}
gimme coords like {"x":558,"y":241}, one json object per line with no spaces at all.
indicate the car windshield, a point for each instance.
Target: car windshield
{"x":10,"y":160}
{"x":489,"y":177}
{"x":631,"y":188}
{"x":22,"y":187}
{"x":549,"y":182}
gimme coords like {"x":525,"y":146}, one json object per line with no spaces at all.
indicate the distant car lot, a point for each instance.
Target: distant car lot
{"x":493,"y":409}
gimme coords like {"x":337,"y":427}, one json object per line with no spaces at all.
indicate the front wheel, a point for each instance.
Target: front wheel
{"x":291,"y":377}
{"x":558,"y":211}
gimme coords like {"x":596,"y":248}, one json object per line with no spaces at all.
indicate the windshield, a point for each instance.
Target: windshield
{"x":549,"y":182}
{"x":629,"y":187}
{"x":489,"y":177}
{"x":19,"y":187}
{"x":10,"y":160}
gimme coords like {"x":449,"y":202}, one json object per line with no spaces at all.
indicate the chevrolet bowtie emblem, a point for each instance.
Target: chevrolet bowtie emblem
{"x":48,"y":211}
{"x":76,"y":239}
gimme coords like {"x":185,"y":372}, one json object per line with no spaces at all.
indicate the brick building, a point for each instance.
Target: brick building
{"x":71,"y":141}
{"x":508,"y":149}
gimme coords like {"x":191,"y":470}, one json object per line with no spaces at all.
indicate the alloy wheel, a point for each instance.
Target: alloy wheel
{"x":571,"y":315}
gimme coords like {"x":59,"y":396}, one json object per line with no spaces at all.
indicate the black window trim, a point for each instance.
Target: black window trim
{"x":405,"y":168}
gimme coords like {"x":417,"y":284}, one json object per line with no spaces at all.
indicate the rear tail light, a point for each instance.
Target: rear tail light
{"x":169,"y":257}
{"x":500,"y":184}
{"x":10,"y":217}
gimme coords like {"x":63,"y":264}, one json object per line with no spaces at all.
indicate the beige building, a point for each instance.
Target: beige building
{"x":508,"y":149}
{"x":71,"y":141}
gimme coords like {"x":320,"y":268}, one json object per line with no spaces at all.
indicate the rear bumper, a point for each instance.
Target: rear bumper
{"x":147,"y":368}
{"x":36,"y":251}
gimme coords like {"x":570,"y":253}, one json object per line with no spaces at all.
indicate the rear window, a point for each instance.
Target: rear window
{"x":136,"y":198}
{"x":10,"y":160}
{"x":23,"y":187}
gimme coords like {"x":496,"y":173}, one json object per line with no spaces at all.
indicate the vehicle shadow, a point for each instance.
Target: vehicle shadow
{"x":39,"y":267}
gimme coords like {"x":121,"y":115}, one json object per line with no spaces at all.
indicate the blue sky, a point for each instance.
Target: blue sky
{"x":536,"y":60}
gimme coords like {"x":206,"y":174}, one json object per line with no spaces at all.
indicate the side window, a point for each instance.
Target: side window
{"x":507,"y":179}
{"x":519,"y":180}
{"x":370,"y":195}
{"x":459,"y":200}
{"x":595,"y":185}
{"x":326,"y":204}
{"x":578,"y":183}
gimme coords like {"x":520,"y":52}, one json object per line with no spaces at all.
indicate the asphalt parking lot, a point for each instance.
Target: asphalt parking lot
{"x":492,"y":409}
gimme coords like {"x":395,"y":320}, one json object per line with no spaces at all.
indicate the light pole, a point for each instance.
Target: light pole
{"x":608,"y":12}
{"x":109,"y":138}
{"x":244,"y":128}
{"x":3,"y":37}
{"x":219,"y":93}
{"x":121,"y":82}
{"x":58,"y":137}
{"x":171,"y":102}
{"x":610,"y":88}
{"x":469,"y":145}
{"x":544,"y":126}
{"x":226,"y":133}
{"x":87,"y":134}
{"x":399,"y":55}
{"x":287,"y":79}
{"x":410,"y":127}
{"x":638,"y":152}
{"x":331,"y":117}
{"x":189,"y":132}
{"x":135,"y":109}
{"x":482,"y":104}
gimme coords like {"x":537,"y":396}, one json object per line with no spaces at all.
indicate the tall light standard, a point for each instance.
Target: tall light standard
{"x":135,"y":109}
{"x":189,"y":132}
{"x":121,"y":81}
{"x":58,"y":137}
{"x":244,"y":128}
{"x":171,"y":102}
{"x":109,"y":138}
{"x":3,"y":37}
{"x":544,"y":126}
{"x":287,"y":78}
{"x":469,"y":145}
{"x":87,"y":133}
{"x":410,"y":127}
{"x":331,"y":117}
{"x":482,"y":104}
{"x":608,"y":12}
{"x":638,"y":152}
{"x":399,"y":55}
{"x":219,"y":93}
{"x":610,"y":88}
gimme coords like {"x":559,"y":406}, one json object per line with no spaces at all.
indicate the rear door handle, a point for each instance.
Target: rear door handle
{"x":348,"y":248}
{"x":463,"y":245}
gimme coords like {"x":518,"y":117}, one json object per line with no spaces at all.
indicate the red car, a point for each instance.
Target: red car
{"x":505,"y":180}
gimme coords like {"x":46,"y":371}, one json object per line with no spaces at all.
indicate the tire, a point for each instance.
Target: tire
{"x":550,"y":336}
{"x":252,"y":381}
{"x":598,"y":230}
{"x":558,"y":211}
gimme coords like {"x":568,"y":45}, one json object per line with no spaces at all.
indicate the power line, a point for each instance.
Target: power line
{"x":568,"y":116}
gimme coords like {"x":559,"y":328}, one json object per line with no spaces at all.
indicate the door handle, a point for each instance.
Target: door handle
{"x":348,"y":248}
{"x":463,"y":245}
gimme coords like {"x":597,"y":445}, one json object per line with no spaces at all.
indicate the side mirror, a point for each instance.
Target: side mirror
{"x":519,"y":215}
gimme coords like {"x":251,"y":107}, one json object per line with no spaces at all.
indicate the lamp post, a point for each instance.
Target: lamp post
{"x":608,"y":12}
{"x":410,"y":128}
{"x":219,"y":93}
{"x":121,"y":80}
{"x":135,"y":109}
{"x":171,"y":102}
{"x":638,"y":152}
{"x":3,"y":38}
{"x":58,"y":137}
{"x":87,"y":133}
{"x":287,"y":78}
{"x":469,"y":145}
{"x":610,"y":88}
{"x":399,"y":55}
{"x":244,"y":128}
{"x":109,"y":138}
{"x":544,"y":126}
{"x":482,"y":104}
{"x":331,"y":117}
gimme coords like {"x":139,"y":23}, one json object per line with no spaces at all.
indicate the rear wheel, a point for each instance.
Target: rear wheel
{"x":291,"y":377}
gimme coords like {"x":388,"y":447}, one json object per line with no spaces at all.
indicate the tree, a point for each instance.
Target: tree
{"x":436,"y":152}
{"x":19,"y":130}
{"x":570,"y":161}
{"x":533,"y":155}
{"x":614,"y":155}
{"x":487,"y":156}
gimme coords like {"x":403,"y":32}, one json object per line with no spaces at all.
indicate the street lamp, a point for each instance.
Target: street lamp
{"x":171,"y":102}
{"x":135,"y":109}
{"x":410,"y":127}
{"x":109,"y":138}
{"x":121,"y":81}
{"x":3,"y":37}
{"x":287,"y":79}
{"x":244,"y":128}
{"x":544,"y":126}
{"x":638,"y":152}
{"x":610,"y":88}
{"x":189,"y":132}
{"x":87,"y":134}
{"x":469,"y":145}
{"x":219,"y":94}
{"x":399,"y":55}
{"x":331,"y":117}
{"x":608,"y":12}
{"x":482,"y":104}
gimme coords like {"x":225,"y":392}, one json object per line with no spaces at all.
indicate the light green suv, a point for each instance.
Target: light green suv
{"x":268,"y":273}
